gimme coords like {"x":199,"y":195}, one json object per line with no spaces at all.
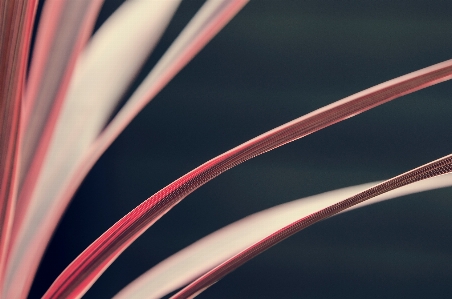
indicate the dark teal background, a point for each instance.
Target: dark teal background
{"x":276,"y":61}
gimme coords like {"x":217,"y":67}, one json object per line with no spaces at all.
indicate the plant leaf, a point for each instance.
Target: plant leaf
{"x":91,"y":263}
{"x":214,"y":249}
{"x":65,"y":28}
{"x":82,"y":118}
{"x":432,"y":169}
{"x":15,"y":37}
{"x":213,"y":16}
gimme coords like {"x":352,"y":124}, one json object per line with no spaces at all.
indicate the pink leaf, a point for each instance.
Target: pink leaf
{"x":65,"y":28}
{"x":209,"y":252}
{"x":15,"y":38}
{"x":91,"y":263}
{"x":429,"y":170}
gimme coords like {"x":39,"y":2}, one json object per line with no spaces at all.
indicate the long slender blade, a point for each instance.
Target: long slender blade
{"x":92,"y":262}
{"x":435,"y":168}
{"x":15,"y":37}
{"x":209,"y":252}
{"x":65,"y":26}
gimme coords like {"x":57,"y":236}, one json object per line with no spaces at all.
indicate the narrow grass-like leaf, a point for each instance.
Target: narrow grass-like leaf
{"x":63,"y":32}
{"x":429,"y":170}
{"x":91,"y":263}
{"x":91,"y":72}
{"x":214,"y":249}
{"x":65,"y":28}
{"x":87,"y":107}
{"x":210,"y":19}
{"x":16,"y":21}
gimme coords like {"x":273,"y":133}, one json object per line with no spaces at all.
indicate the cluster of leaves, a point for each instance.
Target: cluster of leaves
{"x":85,"y":270}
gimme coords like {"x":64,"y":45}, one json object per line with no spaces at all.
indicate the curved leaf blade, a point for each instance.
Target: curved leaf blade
{"x":15,"y":39}
{"x":80,"y":121}
{"x":429,"y":170}
{"x":64,"y":29}
{"x":205,"y":254}
{"x":213,"y":16}
{"x":91,"y":263}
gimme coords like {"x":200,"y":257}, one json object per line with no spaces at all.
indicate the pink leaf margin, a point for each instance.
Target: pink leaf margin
{"x":207,"y":253}
{"x":15,"y":39}
{"x":436,"y":168}
{"x":50,"y":21}
{"x":53,"y":12}
{"x":91,"y":263}
{"x":194,"y":37}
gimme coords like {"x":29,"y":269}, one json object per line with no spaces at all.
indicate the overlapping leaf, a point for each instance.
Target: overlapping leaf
{"x":312,"y":216}
{"x":211,"y":251}
{"x":15,"y":37}
{"x":91,"y":263}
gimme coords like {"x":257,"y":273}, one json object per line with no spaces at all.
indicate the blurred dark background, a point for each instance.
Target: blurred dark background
{"x":276,"y":61}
